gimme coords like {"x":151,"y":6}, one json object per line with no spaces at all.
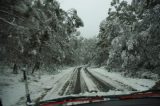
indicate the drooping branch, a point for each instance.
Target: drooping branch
{"x":11,"y":14}
{"x":15,"y":25}
{"x":10,"y":23}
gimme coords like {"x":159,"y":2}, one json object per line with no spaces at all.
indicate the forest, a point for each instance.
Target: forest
{"x":129,"y":37}
{"x":41,"y":35}
{"x":45,"y":56}
{"x":37,"y":34}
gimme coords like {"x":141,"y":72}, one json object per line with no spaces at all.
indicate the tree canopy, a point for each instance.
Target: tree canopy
{"x":129,"y":37}
{"x":34,"y":31}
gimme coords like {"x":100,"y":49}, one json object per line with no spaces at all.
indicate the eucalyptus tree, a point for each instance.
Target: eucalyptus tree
{"x":35,"y":32}
{"x":130,"y":35}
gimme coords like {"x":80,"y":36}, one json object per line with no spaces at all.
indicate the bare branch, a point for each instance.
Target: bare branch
{"x":15,"y":25}
{"x":10,"y":23}
{"x":11,"y":14}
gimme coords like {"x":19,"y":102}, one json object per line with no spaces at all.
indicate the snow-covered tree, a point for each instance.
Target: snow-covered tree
{"x":130,"y":35}
{"x":35,"y":32}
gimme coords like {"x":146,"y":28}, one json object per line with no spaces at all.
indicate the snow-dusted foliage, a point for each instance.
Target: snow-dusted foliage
{"x":132,"y":35}
{"x":33,"y":32}
{"x":82,"y":50}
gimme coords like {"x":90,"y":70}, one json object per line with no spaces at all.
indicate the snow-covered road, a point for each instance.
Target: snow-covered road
{"x":73,"y":81}
{"x":83,"y":80}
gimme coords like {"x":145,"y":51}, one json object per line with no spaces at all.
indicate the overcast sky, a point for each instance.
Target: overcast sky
{"x":92,"y":12}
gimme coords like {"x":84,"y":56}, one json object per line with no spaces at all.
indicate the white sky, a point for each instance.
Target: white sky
{"x":92,"y":12}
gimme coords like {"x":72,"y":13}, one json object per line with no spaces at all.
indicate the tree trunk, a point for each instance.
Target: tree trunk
{"x":15,"y":69}
{"x":36,"y":67}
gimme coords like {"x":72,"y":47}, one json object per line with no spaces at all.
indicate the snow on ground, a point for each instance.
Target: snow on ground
{"x":110,"y":92}
{"x":90,"y":84}
{"x":58,"y":83}
{"x":12,"y":88}
{"x":136,"y":83}
{"x":111,"y":82}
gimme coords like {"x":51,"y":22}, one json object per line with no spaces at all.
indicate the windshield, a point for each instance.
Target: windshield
{"x":51,"y":49}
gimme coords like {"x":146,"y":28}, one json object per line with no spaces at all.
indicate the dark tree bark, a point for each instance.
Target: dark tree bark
{"x":15,"y":69}
{"x":36,"y":67}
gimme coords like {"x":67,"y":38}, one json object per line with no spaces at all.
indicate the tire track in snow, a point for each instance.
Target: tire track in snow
{"x":77,"y":88}
{"x":91,"y":86}
{"x":75,"y":84}
{"x":101,"y":85}
{"x":58,"y":85}
{"x":69,"y":89}
{"x":119,"y":85}
{"x":84,"y":86}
